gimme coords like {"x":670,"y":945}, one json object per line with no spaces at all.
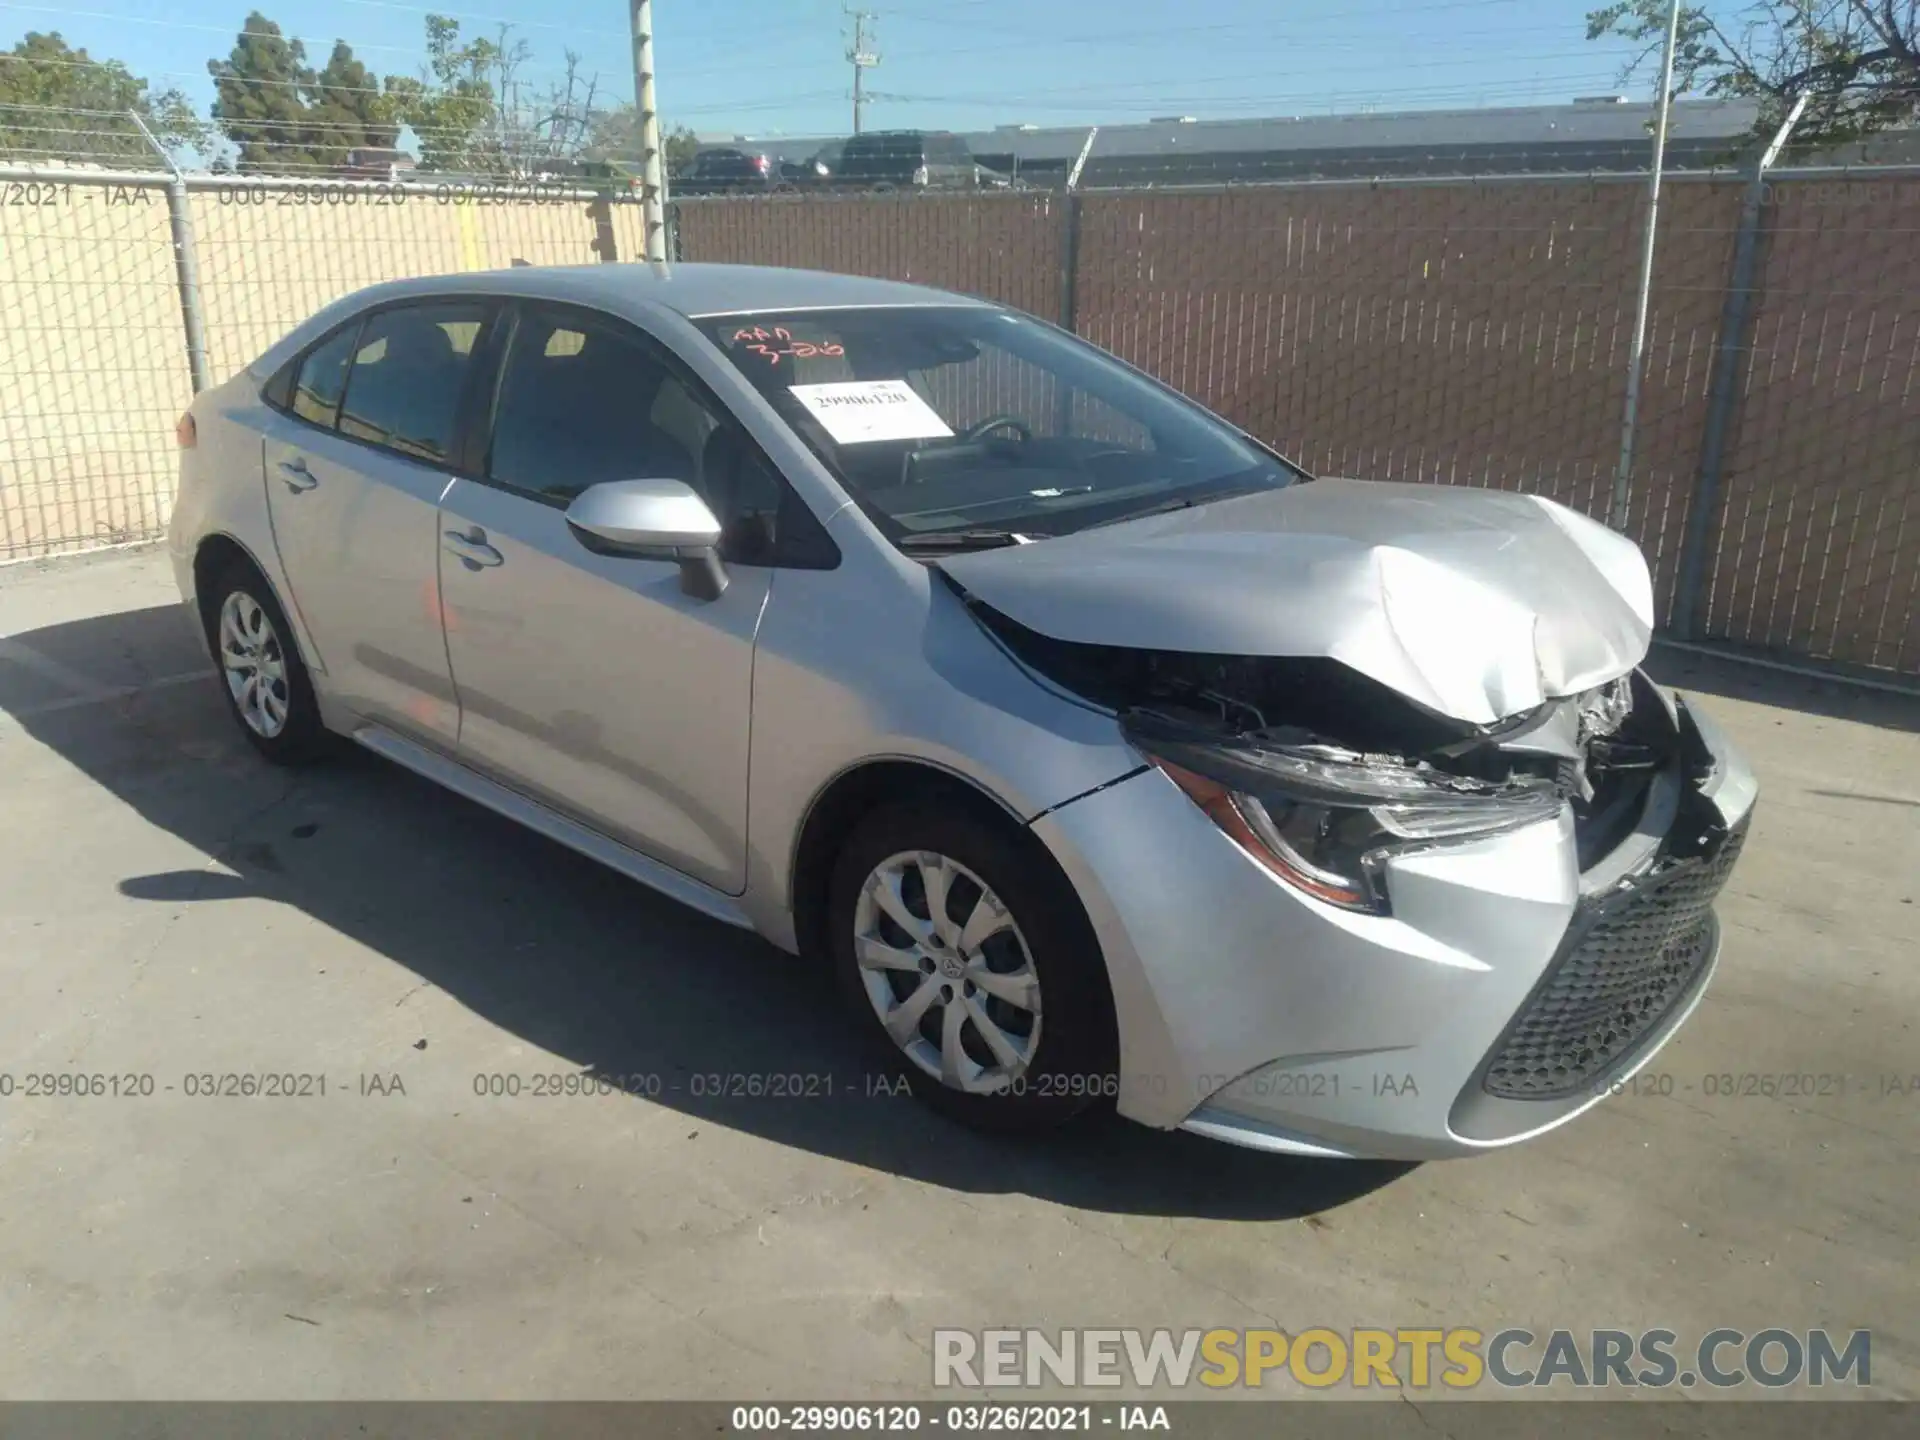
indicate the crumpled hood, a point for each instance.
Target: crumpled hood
{"x":1479,"y":604}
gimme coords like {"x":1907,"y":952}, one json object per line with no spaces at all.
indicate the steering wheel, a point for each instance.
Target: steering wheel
{"x":992,"y":423}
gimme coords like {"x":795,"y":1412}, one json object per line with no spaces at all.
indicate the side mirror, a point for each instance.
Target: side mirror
{"x":654,"y":520}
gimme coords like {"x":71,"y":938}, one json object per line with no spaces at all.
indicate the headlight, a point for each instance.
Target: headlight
{"x":1325,"y":819}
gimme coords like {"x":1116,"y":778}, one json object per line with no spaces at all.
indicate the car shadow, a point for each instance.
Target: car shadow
{"x":572,"y":958}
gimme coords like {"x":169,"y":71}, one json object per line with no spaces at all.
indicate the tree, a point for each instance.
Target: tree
{"x":60,"y":105}
{"x":347,"y":110}
{"x":1857,"y":60}
{"x":452,"y":107}
{"x":559,"y":126}
{"x":615,"y":135}
{"x":262,"y":105}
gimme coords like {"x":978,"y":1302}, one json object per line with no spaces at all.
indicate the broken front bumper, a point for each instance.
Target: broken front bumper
{"x":1507,"y":992}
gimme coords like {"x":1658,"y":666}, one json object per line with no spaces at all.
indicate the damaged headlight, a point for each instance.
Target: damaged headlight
{"x":1325,"y":819}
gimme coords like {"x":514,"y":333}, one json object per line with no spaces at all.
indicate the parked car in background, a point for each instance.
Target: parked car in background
{"x":817,"y":169}
{"x":906,"y":160}
{"x":1095,"y":751}
{"x":726,"y":170}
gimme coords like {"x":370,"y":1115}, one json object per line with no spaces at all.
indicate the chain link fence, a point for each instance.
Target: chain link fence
{"x":1447,"y":330}
{"x":95,"y":347}
{"x":93,"y":368}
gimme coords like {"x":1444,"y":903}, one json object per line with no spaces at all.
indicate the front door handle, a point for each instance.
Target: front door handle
{"x":296,"y":475}
{"x":473,"y":549}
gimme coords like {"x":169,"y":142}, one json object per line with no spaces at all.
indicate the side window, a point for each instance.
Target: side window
{"x":858,"y":157}
{"x":322,"y":377}
{"x":409,"y":369}
{"x":582,"y":403}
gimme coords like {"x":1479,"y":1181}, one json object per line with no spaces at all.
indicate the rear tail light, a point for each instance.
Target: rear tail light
{"x":761,"y":163}
{"x":185,"y":432}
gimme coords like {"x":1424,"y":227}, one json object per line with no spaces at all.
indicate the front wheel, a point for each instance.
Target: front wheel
{"x":966,"y":957}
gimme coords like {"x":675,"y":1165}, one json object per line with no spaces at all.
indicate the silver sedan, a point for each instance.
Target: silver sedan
{"x":1101,"y":754}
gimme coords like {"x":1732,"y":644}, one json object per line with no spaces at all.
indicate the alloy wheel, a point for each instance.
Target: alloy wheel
{"x":254,"y":662}
{"x":947,"y":971}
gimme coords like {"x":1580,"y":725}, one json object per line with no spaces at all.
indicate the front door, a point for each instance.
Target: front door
{"x":595,"y":682}
{"x":355,"y":468}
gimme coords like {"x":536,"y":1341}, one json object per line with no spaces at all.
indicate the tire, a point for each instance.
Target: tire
{"x":1031,"y":935}
{"x":244,"y":623}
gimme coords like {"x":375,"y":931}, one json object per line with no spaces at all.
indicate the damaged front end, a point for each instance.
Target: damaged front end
{"x":1323,"y":774}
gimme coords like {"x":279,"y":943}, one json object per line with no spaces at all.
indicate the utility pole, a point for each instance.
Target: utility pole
{"x":863,"y":60}
{"x":653,"y":199}
{"x":1623,"y":476}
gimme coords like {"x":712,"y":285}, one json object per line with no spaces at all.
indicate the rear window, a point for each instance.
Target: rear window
{"x":947,"y":150}
{"x":321,"y":378}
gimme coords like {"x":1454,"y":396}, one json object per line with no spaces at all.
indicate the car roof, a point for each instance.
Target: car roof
{"x":693,"y":290}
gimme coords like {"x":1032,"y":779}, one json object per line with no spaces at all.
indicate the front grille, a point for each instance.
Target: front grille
{"x":1627,"y":961}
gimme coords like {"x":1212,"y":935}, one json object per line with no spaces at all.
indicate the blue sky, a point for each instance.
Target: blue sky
{"x":777,"y":66}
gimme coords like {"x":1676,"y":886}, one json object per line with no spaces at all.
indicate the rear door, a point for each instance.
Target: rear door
{"x":356,"y":462}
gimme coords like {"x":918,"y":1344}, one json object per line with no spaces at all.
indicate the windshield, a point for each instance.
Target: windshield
{"x":965,"y":418}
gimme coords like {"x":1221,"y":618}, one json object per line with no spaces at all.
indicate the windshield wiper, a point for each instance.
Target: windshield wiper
{"x":1163,"y":508}
{"x":934,"y":540}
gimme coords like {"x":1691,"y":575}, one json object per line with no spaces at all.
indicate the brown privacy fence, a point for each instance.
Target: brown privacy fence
{"x":1466,"y":332}
{"x":1476,"y":333}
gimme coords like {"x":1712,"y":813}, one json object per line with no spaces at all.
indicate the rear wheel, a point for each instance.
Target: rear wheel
{"x":265,"y":682}
{"x":968,"y":961}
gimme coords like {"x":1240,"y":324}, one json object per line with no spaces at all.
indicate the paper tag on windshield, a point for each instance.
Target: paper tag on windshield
{"x":858,"y":411}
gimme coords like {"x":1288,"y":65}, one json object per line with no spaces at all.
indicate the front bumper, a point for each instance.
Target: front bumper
{"x":1506,"y":993}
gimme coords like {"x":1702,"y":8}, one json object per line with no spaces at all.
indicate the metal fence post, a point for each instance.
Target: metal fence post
{"x":1069,"y":260}
{"x":1070,"y":237}
{"x":180,"y":218}
{"x":186,"y":269}
{"x":1723,"y":393}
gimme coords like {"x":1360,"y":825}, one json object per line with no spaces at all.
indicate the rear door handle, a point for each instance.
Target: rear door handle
{"x":296,"y":475}
{"x":473,"y":548}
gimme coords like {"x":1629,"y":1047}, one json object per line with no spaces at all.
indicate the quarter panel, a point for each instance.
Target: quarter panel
{"x":223,"y":492}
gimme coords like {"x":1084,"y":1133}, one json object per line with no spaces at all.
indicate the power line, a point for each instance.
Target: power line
{"x":507,"y":20}
{"x":1213,"y":100}
{"x":1162,"y":86}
